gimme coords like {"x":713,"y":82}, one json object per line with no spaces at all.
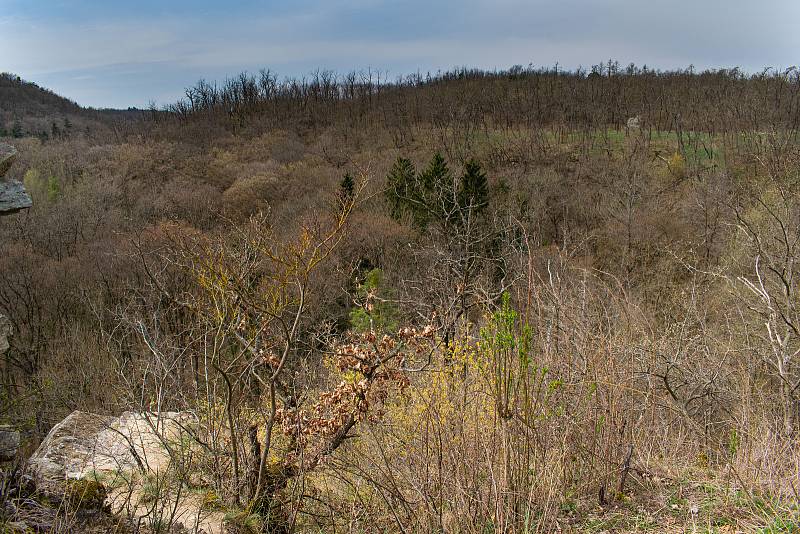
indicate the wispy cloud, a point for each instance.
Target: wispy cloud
{"x":120,"y":54}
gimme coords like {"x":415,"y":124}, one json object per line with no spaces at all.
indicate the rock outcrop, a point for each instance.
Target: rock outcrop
{"x":87,"y":444}
{"x":125,"y":455}
{"x":13,"y":196}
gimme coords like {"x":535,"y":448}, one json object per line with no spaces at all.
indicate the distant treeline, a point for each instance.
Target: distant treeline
{"x":712,"y":101}
{"x":30,"y":110}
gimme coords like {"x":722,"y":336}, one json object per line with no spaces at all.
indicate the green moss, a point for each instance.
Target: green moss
{"x":86,"y":494}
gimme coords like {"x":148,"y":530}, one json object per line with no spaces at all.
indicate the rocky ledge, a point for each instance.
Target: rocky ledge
{"x":113,"y":463}
{"x":13,"y":196}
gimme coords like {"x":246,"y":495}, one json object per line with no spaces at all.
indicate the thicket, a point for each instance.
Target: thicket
{"x":458,"y":302}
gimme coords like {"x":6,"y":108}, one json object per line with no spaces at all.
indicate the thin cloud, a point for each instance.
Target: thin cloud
{"x":155,"y":50}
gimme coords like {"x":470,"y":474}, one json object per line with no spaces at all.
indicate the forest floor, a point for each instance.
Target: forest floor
{"x":696,"y":502}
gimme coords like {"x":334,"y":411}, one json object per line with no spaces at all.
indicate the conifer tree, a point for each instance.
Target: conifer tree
{"x":436,"y":174}
{"x":433,"y":195}
{"x":438,"y":191}
{"x":474,"y":192}
{"x":401,"y":193}
{"x":347,"y":187}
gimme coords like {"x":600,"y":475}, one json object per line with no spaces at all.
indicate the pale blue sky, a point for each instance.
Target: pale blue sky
{"x":126,"y":53}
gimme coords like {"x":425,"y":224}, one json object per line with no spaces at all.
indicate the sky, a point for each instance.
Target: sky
{"x":118,"y":53}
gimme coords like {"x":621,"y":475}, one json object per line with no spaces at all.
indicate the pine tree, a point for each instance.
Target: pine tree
{"x":379,"y":314}
{"x":401,"y":193}
{"x":474,"y":192}
{"x":438,"y":194}
{"x":347,"y":189}
{"x":436,"y":175}
{"x":16,"y":130}
{"x":431,"y":195}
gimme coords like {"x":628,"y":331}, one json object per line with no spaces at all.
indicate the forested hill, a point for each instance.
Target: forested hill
{"x":522,"y":300}
{"x":27,"y":110}
{"x":27,"y":98}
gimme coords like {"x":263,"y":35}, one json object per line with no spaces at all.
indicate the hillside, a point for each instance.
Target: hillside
{"x":514,"y":301}
{"x":26,"y":110}
{"x":28,"y":99}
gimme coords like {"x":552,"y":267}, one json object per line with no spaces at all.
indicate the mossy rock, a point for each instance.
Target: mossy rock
{"x":86,"y":494}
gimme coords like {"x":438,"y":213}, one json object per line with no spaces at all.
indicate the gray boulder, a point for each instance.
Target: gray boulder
{"x":119,"y":455}
{"x":85,"y":443}
{"x":13,"y":196}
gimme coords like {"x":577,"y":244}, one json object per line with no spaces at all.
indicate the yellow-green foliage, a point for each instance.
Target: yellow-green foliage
{"x":43,"y":189}
{"x":33,"y":183}
{"x":677,"y":165}
{"x":210,"y":500}
{"x":494,"y":420}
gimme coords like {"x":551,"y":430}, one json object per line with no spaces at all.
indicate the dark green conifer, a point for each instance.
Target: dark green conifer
{"x":401,"y":193}
{"x":474,"y":192}
{"x":439,"y":198}
{"x":347,"y":187}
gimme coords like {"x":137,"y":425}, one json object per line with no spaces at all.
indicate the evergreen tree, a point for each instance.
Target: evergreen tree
{"x":437,"y":173}
{"x":438,"y":193}
{"x":16,"y":130}
{"x":401,"y":191}
{"x":432,"y":195}
{"x":347,"y":187}
{"x":474,"y":192}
